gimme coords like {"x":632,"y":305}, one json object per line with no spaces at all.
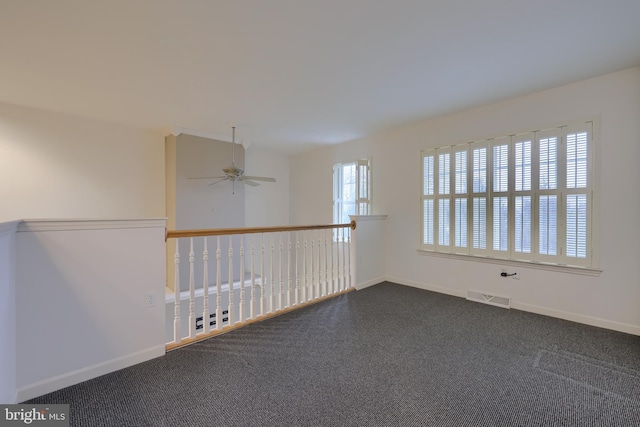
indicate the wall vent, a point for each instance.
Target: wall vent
{"x":498,"y":301}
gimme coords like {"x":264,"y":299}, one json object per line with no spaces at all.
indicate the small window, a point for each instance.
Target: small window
{"x":351,"y":190}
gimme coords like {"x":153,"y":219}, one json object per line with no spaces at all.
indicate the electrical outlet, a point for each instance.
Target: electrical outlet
{"x":150,"y":300}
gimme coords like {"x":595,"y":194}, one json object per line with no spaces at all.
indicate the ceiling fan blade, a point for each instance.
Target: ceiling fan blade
{"x":207,"y":177}
{"x":258,"y":178}
{"x":220,"y":179}
{"x":248,"y":182}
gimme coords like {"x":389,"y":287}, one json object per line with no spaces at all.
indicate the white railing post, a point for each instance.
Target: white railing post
{"x":205,"y":289}
{"x":296,"y":297}
{"x":344,"y":268}
{"x":262,"y":288}
{"x":288,"y":270}
{"x":253,"y":283}
{"x":241,"y":304}
{"x":177,"y":327}
{"x":353,"y":256}
{"x":281,"y":279}
{"x":326,"y":264}
{"x":272,"y":304}
{"x":218,"y":286}
{"x":230,"y":308}
{"x":305,"y":270}
{"x":192,"y":290}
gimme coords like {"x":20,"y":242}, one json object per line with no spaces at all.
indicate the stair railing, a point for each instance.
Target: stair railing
{"x":255,"y":273}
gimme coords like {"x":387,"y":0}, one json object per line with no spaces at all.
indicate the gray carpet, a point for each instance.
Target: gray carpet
{"x":389,"y":355}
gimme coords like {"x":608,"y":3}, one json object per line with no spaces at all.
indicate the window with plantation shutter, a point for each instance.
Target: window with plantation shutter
{"x":526,"y":197}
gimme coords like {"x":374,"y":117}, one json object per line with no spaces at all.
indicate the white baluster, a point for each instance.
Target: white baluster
{"x":218,"y":286}
{"x":348,"y":249}
{"x":313,"y":270}
{"x":241,"y":311}
{"x":334,"y":236}
{"x":273,"y":285}
{"x":192,"y":290}
{"x":177,"y":330}
{"x":230,"y":309}
{"x":205,"y":289}
{"x":305,"y":279}
{"x":281,"y":279}
{"x":297,"y":291}
{"x":344,"y":267}
{"x":262,"y":289}
{"x":327,"y":291}
{"x":289,"y":270}
{"x":253,"y":282}
{"x":317,"y":270}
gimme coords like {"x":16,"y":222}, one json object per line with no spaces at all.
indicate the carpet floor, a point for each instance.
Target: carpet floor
{"x":389,"y":355}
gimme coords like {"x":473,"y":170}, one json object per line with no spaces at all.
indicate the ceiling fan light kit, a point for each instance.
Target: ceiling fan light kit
{"x":234,"y":173}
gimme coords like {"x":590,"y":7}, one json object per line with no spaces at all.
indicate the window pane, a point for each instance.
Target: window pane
{"x":428,"y":175}
{"x":523,"y":224}
{"x":500,"y":223}
{"x":479,"y":223}
{"x":427,"y":230}
{"x":443,"y":222}
{"x":523,"y":166}
{"x":461,"y":172}
{"x":444,"y":168}
{"x":548,"y":227}
{"x":577,"y":160}
{"x":549,"y":163}
{"x":480,"y":170}
{"x":577,"y":225}
{"x":500,"y":168}
{"x":461,"y":223}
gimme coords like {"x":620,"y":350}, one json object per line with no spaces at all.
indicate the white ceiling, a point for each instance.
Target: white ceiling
{"x":294,"y":74}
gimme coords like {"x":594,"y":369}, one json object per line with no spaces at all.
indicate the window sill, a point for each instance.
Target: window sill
{"x":585,"y":271}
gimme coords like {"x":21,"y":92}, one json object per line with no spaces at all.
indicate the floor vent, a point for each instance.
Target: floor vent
{"x":498,"y":301}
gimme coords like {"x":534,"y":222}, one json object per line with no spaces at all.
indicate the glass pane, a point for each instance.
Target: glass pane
{"x":548,"y":229}
{"x":500,"y":168}
{"x":443,"y":222}
{"x":500,"y":223}
{"x":461,"y":172}
{"x":444,"y":168}
{"x":523,"y":224}
{"x":428,"y":176}
{"x":577,"y":160}
{"x":479,"y":223}
{"x":577,"y":225}
{"x":523,"y":166}
{"x":549,"y":163}
{"x":480,"y":170}
{"x":427,"y":226}
{"x":461,"y":223}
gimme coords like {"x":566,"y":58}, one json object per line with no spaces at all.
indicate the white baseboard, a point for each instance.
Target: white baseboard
{"x":578,"y":318}
{"x":70,"y":378}
{"x":368,"y":283}
{"x":515,"y":305}
{"x":428,"y":287}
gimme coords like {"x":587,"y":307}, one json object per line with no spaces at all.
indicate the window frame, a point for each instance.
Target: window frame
{"x":362,"y":191}
{"x":561,"y":261}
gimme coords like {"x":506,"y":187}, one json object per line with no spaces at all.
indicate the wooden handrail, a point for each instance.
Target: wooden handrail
{"x":173,"y":234}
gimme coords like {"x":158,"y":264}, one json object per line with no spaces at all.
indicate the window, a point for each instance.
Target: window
{"x":525,"y":197}
{"x":351,"y":190}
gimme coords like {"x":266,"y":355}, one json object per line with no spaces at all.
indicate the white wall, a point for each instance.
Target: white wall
{"x":7,"y":313}
{"x":609,"y":300}
{"x":268,"y":204}
{"x":81,"y":291}
{"x":58,"y":166}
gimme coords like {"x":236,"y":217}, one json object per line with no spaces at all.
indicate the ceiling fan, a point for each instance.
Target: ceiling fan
{"x":235,"y":174}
